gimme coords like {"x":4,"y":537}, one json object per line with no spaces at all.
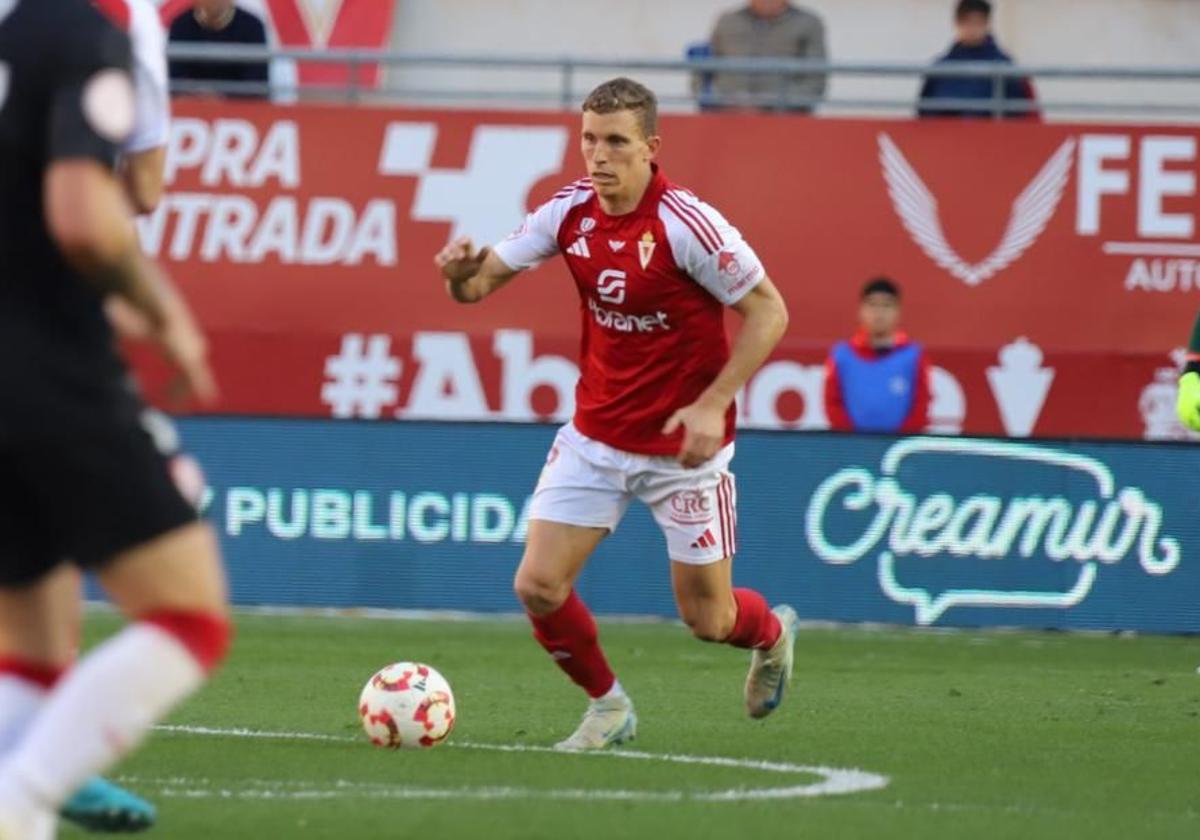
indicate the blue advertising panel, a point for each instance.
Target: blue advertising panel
{"x":925,"y":530}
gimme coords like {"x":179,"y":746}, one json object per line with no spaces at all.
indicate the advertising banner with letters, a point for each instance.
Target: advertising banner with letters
{"x":946,"y":531}
{"x":1051,"y":270}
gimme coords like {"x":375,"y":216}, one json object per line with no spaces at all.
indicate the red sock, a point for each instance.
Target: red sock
{"x":206,"y":637}
{"x":756,"y":626}
{"x":569,"y":635}
{"x":41,"y":674}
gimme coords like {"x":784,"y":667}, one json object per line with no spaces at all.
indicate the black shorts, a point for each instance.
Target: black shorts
{"x":81,"y":477}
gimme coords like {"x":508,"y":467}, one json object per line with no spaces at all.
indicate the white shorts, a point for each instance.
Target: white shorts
{"x":590,"y":484}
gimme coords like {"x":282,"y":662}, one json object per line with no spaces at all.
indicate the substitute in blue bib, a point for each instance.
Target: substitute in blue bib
{"x":878,"y":380}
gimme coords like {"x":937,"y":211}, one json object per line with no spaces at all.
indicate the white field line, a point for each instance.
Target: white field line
{"x":832,"y":780}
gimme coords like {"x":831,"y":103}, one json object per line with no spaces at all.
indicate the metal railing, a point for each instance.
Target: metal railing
{"x":562,"y":84}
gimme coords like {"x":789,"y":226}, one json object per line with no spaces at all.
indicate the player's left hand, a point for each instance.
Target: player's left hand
{"x":703,"y":432}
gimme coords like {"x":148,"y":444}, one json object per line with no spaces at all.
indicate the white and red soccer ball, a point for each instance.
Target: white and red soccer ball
{"x":407,"y":705}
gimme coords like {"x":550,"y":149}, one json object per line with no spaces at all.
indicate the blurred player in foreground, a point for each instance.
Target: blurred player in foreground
{"x":100,"y":805}
{"x":79,"y":475}
{"x":654,"y":420}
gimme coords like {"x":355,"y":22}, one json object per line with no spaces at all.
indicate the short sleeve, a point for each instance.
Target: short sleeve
{"x":536,"y":240}
{"x":153,"y":108}
{"x":92,"y":103}
{"x":709,"y":249}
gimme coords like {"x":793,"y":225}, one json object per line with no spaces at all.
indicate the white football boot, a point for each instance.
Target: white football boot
{"x":607,"y":721}
{"x":771,"y":669}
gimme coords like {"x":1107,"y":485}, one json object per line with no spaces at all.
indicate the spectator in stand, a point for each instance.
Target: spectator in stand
{"x":878,"y":381}
{"x":768,"y":29}
{"x":219,"y":22}
{"x":973,"y":42}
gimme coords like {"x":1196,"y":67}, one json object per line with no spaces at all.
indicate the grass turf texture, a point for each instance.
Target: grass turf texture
{"x":983,"y":736}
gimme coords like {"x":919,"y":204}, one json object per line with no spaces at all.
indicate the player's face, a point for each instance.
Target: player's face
{"x":972,"y":29}
{"x":879,"y":314}
{"x":617,"y":154}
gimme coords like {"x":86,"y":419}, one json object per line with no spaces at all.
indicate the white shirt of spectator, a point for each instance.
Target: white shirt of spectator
{"x":152,"y":119}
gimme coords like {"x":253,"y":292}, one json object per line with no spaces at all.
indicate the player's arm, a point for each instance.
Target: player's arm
{"x":764,"y":321}
{"x":470,"y":274}
{"x":142,"y":173}
{"x":1188,"y":403}
{"x":88,"y":219}
{"x":85,"y":207}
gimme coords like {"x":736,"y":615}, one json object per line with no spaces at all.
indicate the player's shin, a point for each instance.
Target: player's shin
{"x":24,"y":686}
{"x":107,"y":704}
{"x":756,"y":626}
{"x":570,"y":636}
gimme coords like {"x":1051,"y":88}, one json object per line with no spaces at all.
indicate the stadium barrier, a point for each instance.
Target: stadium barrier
{"x":1042,"y":264}
{"x":924,"y":530}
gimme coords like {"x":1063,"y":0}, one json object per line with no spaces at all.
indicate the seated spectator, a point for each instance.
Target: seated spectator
{"x":219,"y":22}
{"x":973,"y":42}
{"x":768,"y":29}
{"x":878,"y":381}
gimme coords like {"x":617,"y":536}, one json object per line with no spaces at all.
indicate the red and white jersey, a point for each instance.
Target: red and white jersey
{"x":152,"y":115}
{"x":652,"y":285}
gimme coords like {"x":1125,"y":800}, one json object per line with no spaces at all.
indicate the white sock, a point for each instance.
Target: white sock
{"x":614,"y":692}
{"x":97,"y":714}
{"x":20,"y":701}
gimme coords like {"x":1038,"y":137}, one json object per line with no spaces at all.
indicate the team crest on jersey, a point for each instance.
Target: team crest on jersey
{"x":728,"y":263}
{"x":646,"y":249}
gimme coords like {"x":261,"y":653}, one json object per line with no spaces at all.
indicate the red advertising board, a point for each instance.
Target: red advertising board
{"x":1050,"y":269}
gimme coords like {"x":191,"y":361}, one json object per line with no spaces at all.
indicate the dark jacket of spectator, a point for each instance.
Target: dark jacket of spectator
{"x":243,"y":28}
{"x":744,"y":33}
{"x":967,"y":87}
{"x":877,"y":389}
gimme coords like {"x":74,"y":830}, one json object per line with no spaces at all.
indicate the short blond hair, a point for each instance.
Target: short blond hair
{"x":624,"y":94}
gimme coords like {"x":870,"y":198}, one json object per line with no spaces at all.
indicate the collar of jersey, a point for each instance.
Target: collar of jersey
{"x":647,"y":205}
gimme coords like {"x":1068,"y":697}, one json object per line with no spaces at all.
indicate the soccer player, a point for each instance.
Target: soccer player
{"x":100,"y":805}
{"x":1188,"y":403}
{"x":654,"y":420}
{"x":79,"y":475}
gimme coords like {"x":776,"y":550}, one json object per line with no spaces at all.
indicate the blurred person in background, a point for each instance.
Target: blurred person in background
{"x":973,"y":41}
{"x":220,"y":22}
{"x":768,"y":29}
{"x":878,"y":380}
{"x":1188,"y":404}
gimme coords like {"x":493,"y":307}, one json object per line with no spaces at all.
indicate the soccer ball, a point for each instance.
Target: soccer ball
{"x":407,"y":706}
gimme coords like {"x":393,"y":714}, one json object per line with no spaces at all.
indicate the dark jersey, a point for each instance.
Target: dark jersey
{"x":65,"y":93}
{"x":245,"y":28}
{"x":80,"y":476}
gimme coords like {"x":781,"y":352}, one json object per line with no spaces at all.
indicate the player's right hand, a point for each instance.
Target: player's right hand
{"x":458,"y":261}
{"x":1187,"y":406}
{"x":186,"y":349}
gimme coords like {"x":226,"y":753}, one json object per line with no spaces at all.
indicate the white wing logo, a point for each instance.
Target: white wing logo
{"x":918,"y":210}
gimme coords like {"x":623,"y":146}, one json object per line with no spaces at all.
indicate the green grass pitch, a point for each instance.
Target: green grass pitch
{"x":981,"y":735}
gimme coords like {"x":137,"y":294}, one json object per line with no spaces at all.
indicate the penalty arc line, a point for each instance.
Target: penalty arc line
{"x":833,"y":780}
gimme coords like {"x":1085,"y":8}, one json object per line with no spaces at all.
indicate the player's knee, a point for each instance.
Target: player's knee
{"x":205,"y":635}
{"x":538,"y":594}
